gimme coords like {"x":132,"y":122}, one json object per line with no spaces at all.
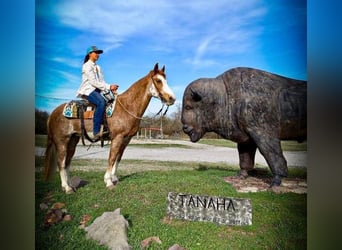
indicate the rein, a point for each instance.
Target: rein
{"x":161,"y":109}
{"x":129,"y":112}
{"x":141,"y":118}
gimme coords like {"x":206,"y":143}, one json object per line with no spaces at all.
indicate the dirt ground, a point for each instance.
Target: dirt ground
{"x":194,"y":152}
{"x":258,"y":181}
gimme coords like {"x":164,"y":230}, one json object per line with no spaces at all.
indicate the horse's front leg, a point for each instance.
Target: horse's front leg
{"x":116,"y":151}
{"x":110,"y":177}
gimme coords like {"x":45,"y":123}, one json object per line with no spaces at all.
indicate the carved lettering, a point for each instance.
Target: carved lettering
{"x":218,"y":204}
{"x":191,"y":201}
{"x":202,"y":202}
{"x":211,"y":203}
{"x":182,"y":198}
{"x":221,"y":210}
{"x":231,"y":203}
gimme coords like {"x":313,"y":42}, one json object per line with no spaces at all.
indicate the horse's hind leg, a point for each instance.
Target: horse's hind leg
{"x":64,"y":156}
{"x":70,"y":153}
{"x":63,"y":171}
{"x":71,"y":149}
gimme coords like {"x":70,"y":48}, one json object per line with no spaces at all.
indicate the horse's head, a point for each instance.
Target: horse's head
{"x":159,"y":87}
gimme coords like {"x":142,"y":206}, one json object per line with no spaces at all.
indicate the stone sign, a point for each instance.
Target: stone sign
{"x":221,"y":210}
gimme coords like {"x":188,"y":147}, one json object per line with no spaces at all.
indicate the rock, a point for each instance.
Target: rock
{"x":176,"y":247}
{"x":43,"y":206}
{"x":67,"y":217}
{"x":58,"y":205}
{"x":55,"y":214}
{"x":146,"y":242}
{"x":110,"y":230}
{"x":77,"y":182}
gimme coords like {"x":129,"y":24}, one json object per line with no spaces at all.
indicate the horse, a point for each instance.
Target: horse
{"x":64,"y":133}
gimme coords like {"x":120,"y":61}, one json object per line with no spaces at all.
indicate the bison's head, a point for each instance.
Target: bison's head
{"x":199,"y":108}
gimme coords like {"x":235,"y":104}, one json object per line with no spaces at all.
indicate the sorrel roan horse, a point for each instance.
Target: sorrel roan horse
{"x":64,"y":133}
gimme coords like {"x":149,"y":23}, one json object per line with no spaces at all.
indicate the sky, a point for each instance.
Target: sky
{"x":193,"y":39}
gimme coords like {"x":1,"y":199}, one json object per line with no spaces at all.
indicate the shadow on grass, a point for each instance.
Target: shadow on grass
{"x":206,"y":167}
{"x":257,"y":172}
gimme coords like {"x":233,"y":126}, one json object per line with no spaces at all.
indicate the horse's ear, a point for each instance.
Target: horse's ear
{"x":163,"y":68}
{"x":155,"y":68}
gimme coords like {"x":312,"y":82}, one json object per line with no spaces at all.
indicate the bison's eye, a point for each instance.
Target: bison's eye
{"x":188,"y":107}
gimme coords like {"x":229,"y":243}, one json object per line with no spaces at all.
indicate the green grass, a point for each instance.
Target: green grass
{"x":218,"y":142}
{"x":293,"y":146}
{"x":279,"y":220}
{"x":286,"y":145}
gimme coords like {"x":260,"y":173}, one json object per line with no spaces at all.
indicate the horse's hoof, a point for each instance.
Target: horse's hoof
{"x":111,"y":187}
{"x":71,"y":191}
{"x":115,"y":180}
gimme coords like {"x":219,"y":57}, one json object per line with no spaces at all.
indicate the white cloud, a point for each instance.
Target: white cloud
{"x":71,"y":79}
{"x":188,"y":35}
{"x":173,"y":23}
{"x":115,"y":20}
{"x":74,"y":63}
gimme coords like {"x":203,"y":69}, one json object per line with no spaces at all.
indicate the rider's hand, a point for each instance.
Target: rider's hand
{"x":114,"y":87}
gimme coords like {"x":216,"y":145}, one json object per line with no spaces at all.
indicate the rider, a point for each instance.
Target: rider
{"x":92,"y":84}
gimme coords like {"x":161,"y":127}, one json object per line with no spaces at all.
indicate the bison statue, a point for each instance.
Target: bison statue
{"x":254,"y":108}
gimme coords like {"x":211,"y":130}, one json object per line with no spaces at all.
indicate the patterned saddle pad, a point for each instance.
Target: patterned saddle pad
{"x":71,"y":109}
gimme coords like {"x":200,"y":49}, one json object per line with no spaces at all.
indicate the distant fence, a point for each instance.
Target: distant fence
{"x":149,"y":133}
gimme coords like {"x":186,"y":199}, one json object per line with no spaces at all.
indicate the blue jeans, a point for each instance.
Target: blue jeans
{"x":96,"y":99}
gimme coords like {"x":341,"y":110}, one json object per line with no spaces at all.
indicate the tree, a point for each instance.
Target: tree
{"x":170,"y":124}
{"x":41,"y":122}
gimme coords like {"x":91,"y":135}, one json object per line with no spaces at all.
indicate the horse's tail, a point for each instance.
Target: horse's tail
{"x":50,"y":164}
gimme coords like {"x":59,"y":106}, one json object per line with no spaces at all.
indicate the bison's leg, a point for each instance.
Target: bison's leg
{"x":246,"y":156}
{"x":270,"y":148}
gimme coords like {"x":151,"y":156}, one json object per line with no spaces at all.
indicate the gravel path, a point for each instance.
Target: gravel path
{"x":194,"y":152}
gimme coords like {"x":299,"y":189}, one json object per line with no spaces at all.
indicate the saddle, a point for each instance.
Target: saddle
{"x":83,"y":109}
{"x":73,"y":108}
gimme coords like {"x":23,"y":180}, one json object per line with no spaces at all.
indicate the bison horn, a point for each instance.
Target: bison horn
{"x":195,"y":96}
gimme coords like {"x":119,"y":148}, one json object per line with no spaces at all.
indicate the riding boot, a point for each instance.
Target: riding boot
{"x":104,"y":133}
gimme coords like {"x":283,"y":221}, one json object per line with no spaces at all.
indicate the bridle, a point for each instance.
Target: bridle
{"x":162,"y":100}
{"x":141,"y":118}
